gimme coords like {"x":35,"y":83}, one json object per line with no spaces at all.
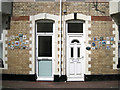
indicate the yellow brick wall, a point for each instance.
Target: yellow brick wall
{"x":18,"y":59}
{"x":33,"y":8}
{"x":101,"y":60}
{"x":86,"y":8}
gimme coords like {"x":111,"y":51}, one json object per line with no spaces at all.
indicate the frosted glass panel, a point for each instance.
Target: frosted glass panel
{"x":45,"y":68}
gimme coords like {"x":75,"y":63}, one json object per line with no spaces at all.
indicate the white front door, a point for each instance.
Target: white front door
{"x":75,"y":59}
{"x":75,"y":50}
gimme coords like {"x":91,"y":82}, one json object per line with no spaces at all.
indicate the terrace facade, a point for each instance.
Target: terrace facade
{"x":71,"y":40}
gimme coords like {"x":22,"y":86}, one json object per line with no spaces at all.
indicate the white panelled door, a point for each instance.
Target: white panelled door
{"x":75,"y":58}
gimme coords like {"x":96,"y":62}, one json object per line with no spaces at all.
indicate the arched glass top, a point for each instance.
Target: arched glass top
{"x":75,"y":40}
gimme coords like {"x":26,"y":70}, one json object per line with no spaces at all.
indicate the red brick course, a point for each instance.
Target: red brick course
{"x":20,"y":18}
{"x":101,"y":18}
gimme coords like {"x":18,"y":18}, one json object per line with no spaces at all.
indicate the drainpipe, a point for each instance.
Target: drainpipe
{"x":60,"y":72}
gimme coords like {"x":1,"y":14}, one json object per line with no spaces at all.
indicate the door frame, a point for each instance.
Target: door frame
{"x":53,"y":53}
{"x":67,"y":52}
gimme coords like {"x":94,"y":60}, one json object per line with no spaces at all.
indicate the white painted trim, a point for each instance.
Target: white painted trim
{"x":86,"y":41}
{"x":44,"y":79}
{"x":38,"y":17}
{"x":60,"y":45}
{"x":64,"y":46}
{"x":116,"y":39}
{"x":32,"y":47}
{"x":79,"y":16}
{"x":37,"y":58}
{"x":45,"y":16}
{"x":75,"y":79}
{"x":5,"y":32}
{"x":86,"y":19}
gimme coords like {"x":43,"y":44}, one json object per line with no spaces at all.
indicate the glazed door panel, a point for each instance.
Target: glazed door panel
{"x":44,"y":58}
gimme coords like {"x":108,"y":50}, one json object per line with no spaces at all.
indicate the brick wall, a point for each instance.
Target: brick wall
{"x":101,"y":25}
{"x":18,"y":59}
{"x":87,"y":8}
{"x":101,"y":58}
{"x":33,"y":8}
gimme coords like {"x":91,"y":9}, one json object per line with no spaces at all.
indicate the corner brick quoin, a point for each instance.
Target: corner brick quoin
{"x":20,"y":18}
{"x":101,"y":18}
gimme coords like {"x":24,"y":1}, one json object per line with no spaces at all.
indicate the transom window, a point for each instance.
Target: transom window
{"x":45,"y":26}
{"x":75,"y":26}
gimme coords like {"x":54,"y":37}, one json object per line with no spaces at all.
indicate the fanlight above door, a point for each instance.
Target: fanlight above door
{"x":75,"y":40}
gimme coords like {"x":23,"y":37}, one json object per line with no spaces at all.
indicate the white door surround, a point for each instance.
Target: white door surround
{"x":55,"y":18}
{"x":83,"y":37}
{"x":75,"y":64}
{"x":75,"y":50}
{"x":44,"y":16}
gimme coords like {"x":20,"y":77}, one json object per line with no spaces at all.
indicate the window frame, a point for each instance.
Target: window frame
{"x":77,"y":25}
{"x":52,"y":34}
{"x":75,"y":21}
{"x":1,"y":42}
{"x":46,"y":34}
{"x":43,"y":22}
